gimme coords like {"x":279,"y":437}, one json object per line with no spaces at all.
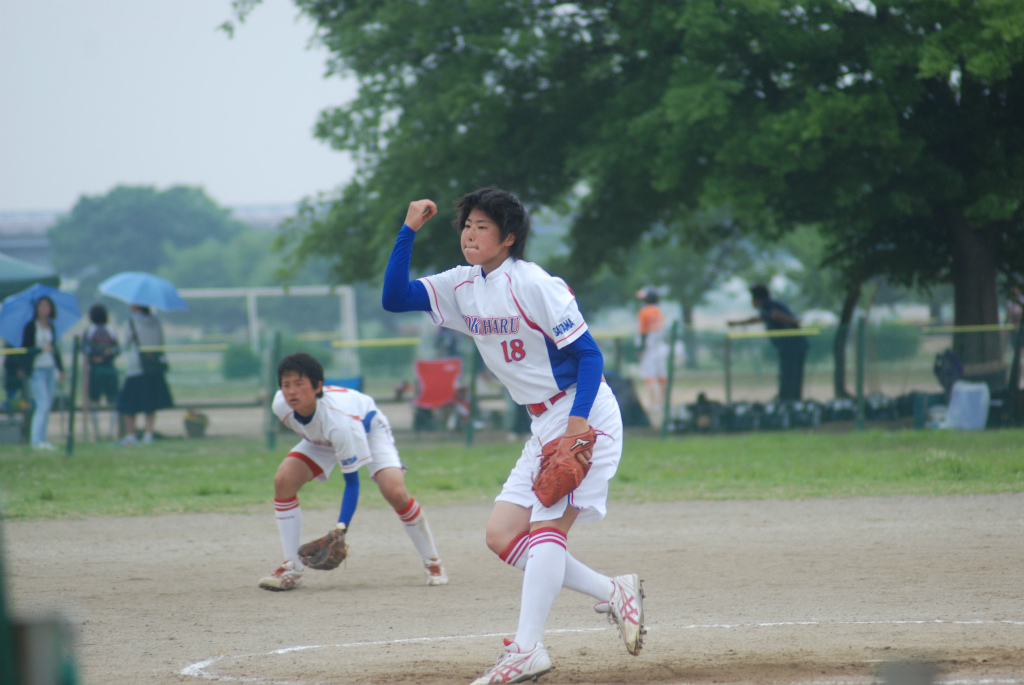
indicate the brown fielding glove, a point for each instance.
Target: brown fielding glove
{"x":561,"y":470}
{"x":325,"y":553}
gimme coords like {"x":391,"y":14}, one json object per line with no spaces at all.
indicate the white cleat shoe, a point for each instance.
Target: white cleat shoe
{"x":515,"y":666}
{"x":435,"y":572}
{"x":286,"y":577}
{"x":625,"y":610}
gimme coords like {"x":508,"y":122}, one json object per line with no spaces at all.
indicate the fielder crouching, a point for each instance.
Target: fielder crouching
{"x":340,"y":427}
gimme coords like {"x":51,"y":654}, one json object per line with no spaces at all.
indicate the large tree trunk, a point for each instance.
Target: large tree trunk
{"x":976,"y":303}
{"x":839,"y":344}
{"x":689,"y":337}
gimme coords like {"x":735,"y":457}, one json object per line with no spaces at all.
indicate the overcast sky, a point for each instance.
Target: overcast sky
{"x":97,"y":93}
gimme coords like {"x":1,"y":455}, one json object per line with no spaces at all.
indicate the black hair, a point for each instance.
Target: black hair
{"x":651,"y":297}
{"x":53,"y":307}
{"x":303,"y":364}
{"x":759,"y":292}
{"x":98,"y":314}
{"x":504,"y":209}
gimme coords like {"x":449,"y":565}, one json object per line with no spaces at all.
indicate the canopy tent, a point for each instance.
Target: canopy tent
{"x":16,"y":275}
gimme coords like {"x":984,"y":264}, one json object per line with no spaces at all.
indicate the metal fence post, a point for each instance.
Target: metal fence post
{"x":474,"y":369}
{"x":273,"y":355}
{"x":672,"y":336}
{"x":728,"y":369}
{"x":69,"y":448}
{"x":860,"y":372}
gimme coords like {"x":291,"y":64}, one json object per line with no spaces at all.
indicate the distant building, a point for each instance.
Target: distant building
{"x":23,"y":236}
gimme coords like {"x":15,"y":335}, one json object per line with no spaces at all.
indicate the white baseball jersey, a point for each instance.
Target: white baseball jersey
{"x":340,"y":422}
{"x":521,"y":319}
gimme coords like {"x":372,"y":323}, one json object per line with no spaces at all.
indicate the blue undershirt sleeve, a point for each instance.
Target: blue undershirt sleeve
{"x":589,"y":370}
{"x":400,"y":294}
{"x":350,"y":499}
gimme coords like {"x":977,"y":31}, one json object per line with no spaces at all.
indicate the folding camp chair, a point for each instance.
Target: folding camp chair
{"x":438,"y":391}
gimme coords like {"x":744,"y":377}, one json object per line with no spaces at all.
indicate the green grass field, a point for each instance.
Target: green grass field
{"x":212,"y":475}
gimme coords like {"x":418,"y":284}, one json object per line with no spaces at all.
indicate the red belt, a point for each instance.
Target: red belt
{"x":541,"y":407}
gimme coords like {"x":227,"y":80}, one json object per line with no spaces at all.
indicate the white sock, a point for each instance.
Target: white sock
{"x":542,"y":581}
{"x":418,"y":530}
{"x":578,"y":576}
{"x":289,"y":524}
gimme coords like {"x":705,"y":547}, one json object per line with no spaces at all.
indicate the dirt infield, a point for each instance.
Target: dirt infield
{"x":822,"y":591}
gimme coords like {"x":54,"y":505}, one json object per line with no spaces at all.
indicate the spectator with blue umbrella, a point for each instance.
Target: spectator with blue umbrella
{"x":44,"y":314}
{"x":145,"y":390}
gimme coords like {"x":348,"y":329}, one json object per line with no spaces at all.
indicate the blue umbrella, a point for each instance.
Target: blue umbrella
{"x":20,"y":308}
{"x":138,"y":287}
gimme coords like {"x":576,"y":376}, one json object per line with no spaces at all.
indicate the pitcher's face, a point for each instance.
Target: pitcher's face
{"x":482,"y":243}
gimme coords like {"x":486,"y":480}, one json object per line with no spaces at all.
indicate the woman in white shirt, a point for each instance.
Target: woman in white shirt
{"x":45,"y":368}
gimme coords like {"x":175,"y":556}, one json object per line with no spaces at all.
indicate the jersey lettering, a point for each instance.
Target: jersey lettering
{"x":495,"y":325}
{"x":563,"y":327}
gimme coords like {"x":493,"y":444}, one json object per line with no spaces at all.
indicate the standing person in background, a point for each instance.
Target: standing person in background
{"x":44,"y":368}
{"x":145,"y":391}
{"x":652,"y":348}
{"x":532,"y":336}
{"x":792,"y":349}
{"x":99,"y":347}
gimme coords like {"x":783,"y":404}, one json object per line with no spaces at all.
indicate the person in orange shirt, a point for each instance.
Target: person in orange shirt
{"x":652,"y":348}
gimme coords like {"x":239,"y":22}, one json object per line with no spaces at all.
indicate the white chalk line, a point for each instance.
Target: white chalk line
{"x":198,"y":669}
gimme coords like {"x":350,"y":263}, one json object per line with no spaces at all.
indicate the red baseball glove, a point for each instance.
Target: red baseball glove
{"x":562,"y":466}
{"x":325,"y":553}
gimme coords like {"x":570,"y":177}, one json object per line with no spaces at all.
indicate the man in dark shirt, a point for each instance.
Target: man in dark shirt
{"x":792,"y":349}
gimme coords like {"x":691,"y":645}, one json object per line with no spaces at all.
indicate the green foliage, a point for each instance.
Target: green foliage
{"x":215,"y":475}
{"x":239,"y":361}
{"x":134,"y":228}
{"x":386,"y":360}
{"x":893,"y":342}
{"x":321,"y":349}
{"x":894,"y":127}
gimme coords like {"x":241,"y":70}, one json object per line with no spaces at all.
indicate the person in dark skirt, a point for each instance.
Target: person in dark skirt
{"x":145,"y":389}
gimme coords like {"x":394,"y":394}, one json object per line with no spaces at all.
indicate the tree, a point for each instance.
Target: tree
{"x":895,"y":126}
{"x":703,"y":251}
{"x":134,"y":228}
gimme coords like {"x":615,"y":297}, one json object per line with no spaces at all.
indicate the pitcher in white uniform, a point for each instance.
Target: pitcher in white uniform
{"x":533,"y":338}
